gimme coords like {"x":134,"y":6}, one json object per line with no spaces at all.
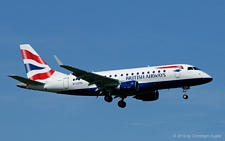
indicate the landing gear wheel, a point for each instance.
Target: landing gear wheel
{"x":185,"y":88}
{"x":122,"y":104}
{"x":185,"y":96}
{"x":108,"y":98}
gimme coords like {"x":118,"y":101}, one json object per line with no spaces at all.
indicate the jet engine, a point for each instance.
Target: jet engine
{"x":151,"y":96}
{"x":129,"y":86}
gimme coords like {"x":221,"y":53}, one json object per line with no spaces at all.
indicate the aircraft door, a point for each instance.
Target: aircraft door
{"x":66,"y":82}
{"x":177,"y":73}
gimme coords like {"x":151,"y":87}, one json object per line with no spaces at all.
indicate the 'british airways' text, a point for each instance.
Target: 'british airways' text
{"x":137,"y":77}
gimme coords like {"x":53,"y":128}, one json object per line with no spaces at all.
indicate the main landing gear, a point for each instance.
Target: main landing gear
{"x":121,"y":103}
{"x":108,"y":98}
{"x":185,"y":96}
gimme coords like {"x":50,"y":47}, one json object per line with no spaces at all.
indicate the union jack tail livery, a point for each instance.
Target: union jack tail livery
{"x":36,"y":68}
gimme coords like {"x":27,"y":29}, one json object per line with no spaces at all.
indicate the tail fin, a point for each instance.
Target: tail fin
{"x":36,"y":68}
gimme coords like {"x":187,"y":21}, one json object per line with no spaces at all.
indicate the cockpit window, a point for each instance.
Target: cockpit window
{"x":195,"y":68}
{"x":190,"y":68}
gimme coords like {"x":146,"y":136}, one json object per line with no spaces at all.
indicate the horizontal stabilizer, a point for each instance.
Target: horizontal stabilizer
{"x":25,"y":80}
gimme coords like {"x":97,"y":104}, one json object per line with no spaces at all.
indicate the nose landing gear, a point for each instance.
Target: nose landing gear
{"x":185,"y":96}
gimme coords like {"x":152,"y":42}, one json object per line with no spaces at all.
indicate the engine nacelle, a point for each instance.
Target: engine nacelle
{"x":129,"y":86}
{"x":151,"y":96}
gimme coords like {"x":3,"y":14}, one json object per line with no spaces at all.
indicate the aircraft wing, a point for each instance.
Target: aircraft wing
{"x":92,"y":78}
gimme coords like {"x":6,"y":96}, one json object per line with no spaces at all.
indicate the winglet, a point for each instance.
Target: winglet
{"x":58,"y":61}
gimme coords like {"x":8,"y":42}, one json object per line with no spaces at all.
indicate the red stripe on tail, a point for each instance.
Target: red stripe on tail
{"x":42,"y":76}
{"x":28,"y":55}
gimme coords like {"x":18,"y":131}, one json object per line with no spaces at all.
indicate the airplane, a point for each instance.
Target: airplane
{"x":141,"y":83}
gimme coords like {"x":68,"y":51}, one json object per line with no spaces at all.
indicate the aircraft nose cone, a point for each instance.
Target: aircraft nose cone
{"x":206,"y":77}
{"x":210,"y":79}
{"x":207,"y":80}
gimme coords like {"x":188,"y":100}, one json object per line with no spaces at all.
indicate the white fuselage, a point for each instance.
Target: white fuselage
{"x":149,"y":78}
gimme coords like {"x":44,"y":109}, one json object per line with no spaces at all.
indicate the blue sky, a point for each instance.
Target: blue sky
{"x":104,"y":35}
